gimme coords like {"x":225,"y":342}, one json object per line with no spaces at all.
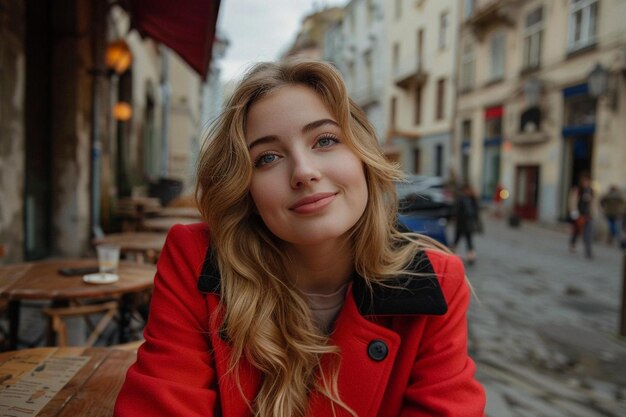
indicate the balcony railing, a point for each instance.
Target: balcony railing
{"x":365,"y":95}
{"x":411,"y":75}
{"x":489,"y":13}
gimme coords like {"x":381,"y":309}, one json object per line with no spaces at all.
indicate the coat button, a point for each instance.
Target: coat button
{"x":377,"y":350}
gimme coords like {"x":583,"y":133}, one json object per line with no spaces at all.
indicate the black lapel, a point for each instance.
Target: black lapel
{"x":406,"y":294}
{"x":209,"y":280}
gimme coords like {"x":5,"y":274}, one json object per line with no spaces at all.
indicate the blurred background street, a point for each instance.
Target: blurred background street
{"x":543,"y":324}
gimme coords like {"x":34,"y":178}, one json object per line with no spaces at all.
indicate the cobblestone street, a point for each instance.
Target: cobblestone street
{"x":544,"y":325}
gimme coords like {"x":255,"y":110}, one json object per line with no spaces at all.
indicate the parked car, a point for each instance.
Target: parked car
{"x":427,"y":195}
{"x":434,"y":227}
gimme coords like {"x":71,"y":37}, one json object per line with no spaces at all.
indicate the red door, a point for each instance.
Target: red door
{"x":527,"y":191}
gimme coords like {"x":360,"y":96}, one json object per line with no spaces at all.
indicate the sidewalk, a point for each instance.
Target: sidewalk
{"x":543,"y":329}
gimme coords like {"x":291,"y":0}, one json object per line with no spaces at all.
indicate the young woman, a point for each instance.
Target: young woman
{"x":299,"y":297}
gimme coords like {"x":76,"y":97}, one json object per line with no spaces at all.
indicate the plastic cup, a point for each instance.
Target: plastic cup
{"x":108,"y":258}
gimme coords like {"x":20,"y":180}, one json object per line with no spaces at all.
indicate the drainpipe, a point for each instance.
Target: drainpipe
{"x":622,"y":328}
{"x":165,"y":104}
{"x":98,"y":72}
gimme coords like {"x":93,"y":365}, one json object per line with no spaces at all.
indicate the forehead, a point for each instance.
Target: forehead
{"x":283,"y":110}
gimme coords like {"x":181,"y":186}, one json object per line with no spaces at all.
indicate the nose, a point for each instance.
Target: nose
{"x":304,"y":171}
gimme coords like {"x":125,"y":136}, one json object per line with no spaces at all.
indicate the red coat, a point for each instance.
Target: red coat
{"x":397,"y":358}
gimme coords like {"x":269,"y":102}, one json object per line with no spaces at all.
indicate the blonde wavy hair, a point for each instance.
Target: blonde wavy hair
{"x":266,"y":319}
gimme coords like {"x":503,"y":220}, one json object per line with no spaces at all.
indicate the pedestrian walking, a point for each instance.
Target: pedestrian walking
{"x":298,"y":296}
{"x":581,"y":207}
{"x":613,"y":204}
{"x":467,"y":218}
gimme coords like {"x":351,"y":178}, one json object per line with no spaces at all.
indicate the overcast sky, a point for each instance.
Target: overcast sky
{"x":259,"y":30}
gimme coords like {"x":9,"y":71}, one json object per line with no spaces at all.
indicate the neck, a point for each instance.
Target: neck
{"x":321,"y":269}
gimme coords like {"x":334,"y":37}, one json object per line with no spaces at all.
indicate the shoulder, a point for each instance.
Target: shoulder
{"x":198,"y":232}
{"x":186,"y":245}
{"x":448,"y":269}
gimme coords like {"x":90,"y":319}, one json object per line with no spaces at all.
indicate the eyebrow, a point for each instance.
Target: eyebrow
{"x":307,"y":128}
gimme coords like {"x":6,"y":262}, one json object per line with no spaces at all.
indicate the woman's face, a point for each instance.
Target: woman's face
{"x":308,"y":186}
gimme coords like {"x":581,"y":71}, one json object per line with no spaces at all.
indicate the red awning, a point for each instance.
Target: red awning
{"x":185,"y":26}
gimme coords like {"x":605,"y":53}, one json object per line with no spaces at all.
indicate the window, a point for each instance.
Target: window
{"x":351,"y":76}
{"x":493,"y":122}
{"x":369,"y":76}
{"x":466,"y":131}
{"x":467,"y":67}
{"x":498,"y":44}
{"x":398,"y":8}
{"x":469,"y":8}
{"x":420,"y":46}
{"x":352,"y":15}
{"x":440,"y":104}
{"x":466,"y":141}
{"x":417,"y":159}
{"x":533,"y":32}
{"x":439,"y":160}
{"x":443,"y":30}
{"x":418,"y":105}
{"x":583,"y":17}
{"x":396,"y":57}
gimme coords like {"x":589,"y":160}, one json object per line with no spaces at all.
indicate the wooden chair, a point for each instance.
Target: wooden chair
{"x":57,"y":325}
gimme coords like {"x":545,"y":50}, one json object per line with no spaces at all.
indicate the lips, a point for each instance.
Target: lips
{"x":313,"y":203}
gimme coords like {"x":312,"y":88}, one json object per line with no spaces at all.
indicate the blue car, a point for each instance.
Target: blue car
{"x":433,"y":227}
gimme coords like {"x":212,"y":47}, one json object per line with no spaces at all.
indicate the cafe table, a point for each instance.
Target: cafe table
{"x":41,"y":280}
{"x":138,"y":244}
{"x":163,"y":224}
{"x":190,"y":212}
{"x":62,"y":382}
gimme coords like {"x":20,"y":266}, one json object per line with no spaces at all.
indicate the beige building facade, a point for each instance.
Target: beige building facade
{"x":356,"y":45}
{"x":420,"y":91}
{"x":528,"y":115}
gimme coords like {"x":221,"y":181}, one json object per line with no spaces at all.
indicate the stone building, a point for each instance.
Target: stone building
{"x":420,"y":55}
{"x":529,"y":114}
{"x":356,"y":45}
{"x":310,"y":40}
{"x":76,"y":131}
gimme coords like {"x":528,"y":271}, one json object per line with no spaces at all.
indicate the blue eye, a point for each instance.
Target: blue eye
{"x":326,"y":141}
{"x":265,"y":159}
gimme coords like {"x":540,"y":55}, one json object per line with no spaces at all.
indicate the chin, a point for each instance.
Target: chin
{"x":318,"y":236}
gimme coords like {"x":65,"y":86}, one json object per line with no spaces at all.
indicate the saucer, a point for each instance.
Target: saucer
{"x":99,"y":278}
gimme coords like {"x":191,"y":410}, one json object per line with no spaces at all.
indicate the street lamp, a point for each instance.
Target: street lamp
{"x":118,"y":56}
{"x":122,"y":111}
{"x":532,"y":91}
{"x":598,"y":81}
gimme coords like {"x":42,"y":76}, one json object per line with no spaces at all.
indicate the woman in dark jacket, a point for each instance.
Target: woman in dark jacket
{"x":467,"y":220}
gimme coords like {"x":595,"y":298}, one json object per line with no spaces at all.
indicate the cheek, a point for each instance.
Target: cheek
{"x":354,"y":175}
{"x":265,"y":196}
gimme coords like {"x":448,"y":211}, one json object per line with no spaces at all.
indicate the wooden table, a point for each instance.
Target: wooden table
{"x":91,"y":391}
{"x":42,"y":281}
{"x":138,"y":244}
{"x":163,"y":224}
{"x":190,"y":212}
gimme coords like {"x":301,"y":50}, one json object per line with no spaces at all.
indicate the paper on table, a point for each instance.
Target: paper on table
{"x":30,"y":380}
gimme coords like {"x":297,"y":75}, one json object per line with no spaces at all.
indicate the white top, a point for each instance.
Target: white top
{"x":325,"y":307}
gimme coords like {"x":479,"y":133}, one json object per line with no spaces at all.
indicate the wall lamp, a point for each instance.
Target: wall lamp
{"x":602,"y":83}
